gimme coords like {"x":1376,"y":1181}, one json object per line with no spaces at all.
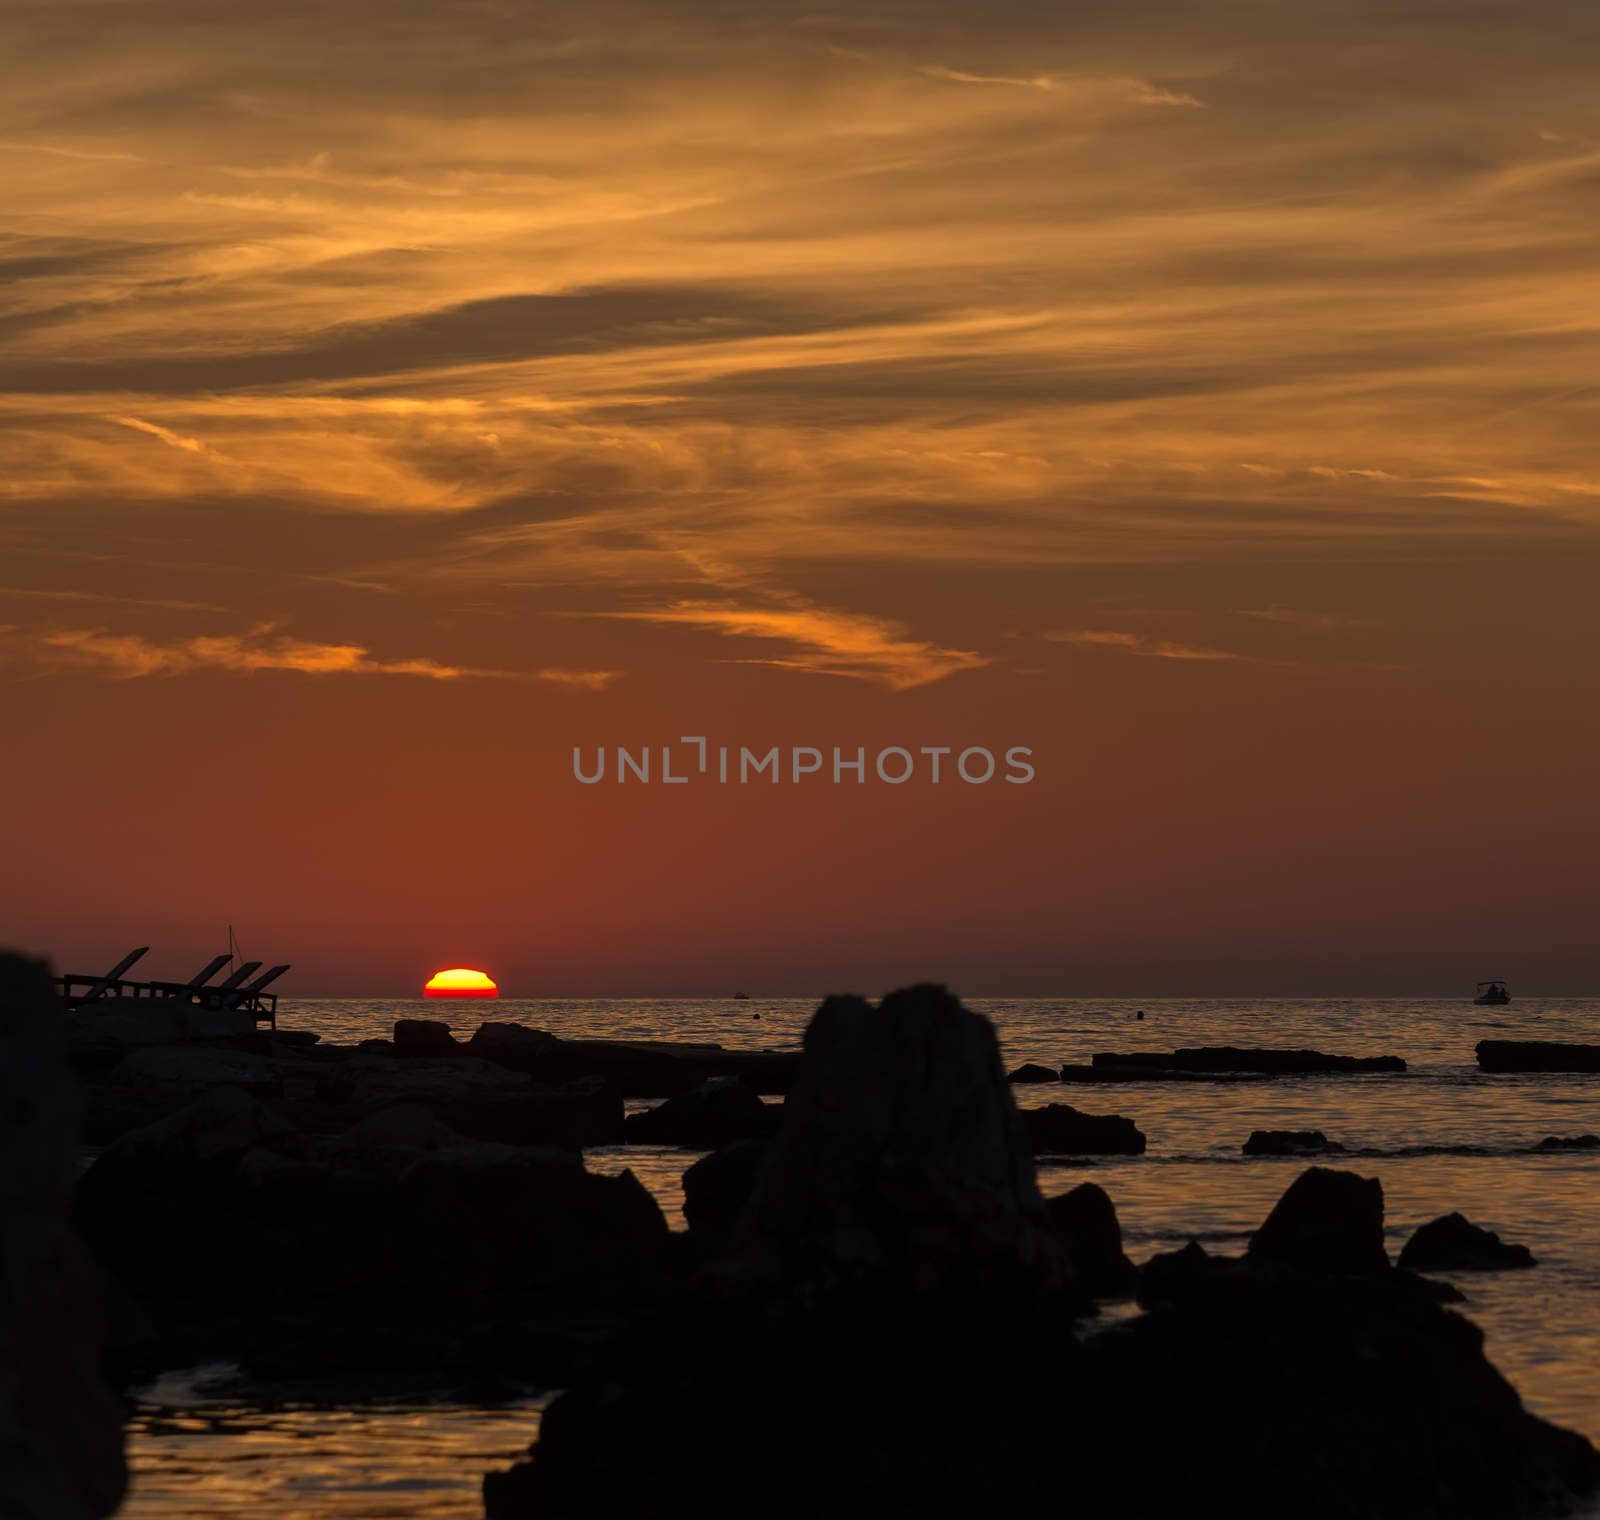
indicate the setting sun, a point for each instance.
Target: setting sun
{"x":460,"y":982}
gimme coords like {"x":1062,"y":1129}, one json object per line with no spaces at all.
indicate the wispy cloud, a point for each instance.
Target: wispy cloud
{"x":126,"y":656}
{"x":1289,"y":617}
{"x":826,"y":641}
{"x":166,"y":435}
{"x":165,"y":604}
{"x":1140,"y":644}
{"x":85,"y":155}
{"x":1137,"y":91}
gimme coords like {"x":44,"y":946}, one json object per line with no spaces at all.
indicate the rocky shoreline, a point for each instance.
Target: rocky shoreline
{"x":872,"y":1297}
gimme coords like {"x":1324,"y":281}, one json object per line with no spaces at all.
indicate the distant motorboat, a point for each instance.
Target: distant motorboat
{"x":1492,"y":993}
{"x":741,"y":997}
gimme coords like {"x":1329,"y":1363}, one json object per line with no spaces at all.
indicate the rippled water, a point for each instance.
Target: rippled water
{"x":1442,"y":1136}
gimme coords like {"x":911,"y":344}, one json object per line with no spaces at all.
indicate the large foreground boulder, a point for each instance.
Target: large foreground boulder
{"x":1086,"y":1221}
{"x":901,"y":1150}
{"x":1452,"y":1243}
{"x":1327,"y":1221}
{"x":894,"y":1247}
{"x":717,"y":1187}
{"x":61,"y":1455}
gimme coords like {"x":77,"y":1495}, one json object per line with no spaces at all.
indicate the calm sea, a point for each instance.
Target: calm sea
{"x":1440,"y":1137}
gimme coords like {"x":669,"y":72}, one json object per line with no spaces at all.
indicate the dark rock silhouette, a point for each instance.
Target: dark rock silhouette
{"x":1263,"y":1392}
{"x":240,"y":1234}
{"x":61,"y":1454}
{"x":894,"y":1247}
{"x":1453,"y":1243}
{"x":637,"y":1068}
{"x":889,"y":1332}
{"x":1086,"y":1220}
{"x":1570,"y":1143}
{"x":424,"y":1037}
{"x":900,"y":1144}
{"x":1536,"y":1055}
{"x":717,"y":1187}
{"x":97,"y":1033}
{"x":1103,"y":1075}
{"x":372,"y":1079}
{"x":1058,"y":1129}
{"x":585,"y":1112}
{"x":1327,"y":1221}
{"x":1229,"y":1058}
{"x":1175,"y":1277}
{"x":719,"y":1110}
{"x":1290,"y":1142}
{"x":509,"y":1044}
{"x":1031,"y":1071}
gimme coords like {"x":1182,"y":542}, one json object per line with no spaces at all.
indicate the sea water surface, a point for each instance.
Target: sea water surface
{"x":1442,"y":1136}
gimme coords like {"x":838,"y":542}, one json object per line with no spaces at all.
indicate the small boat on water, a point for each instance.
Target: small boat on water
{"x":1492,"y":993}
{"x":741,"y":997}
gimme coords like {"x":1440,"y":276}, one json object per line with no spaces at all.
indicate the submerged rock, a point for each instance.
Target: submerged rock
{"x":719,"y":1110}
{"x":1453,"y":1243}
{"x":1058,"y":1129}
{"x":1102,"y":1075}
{"x":1086,"y":1221}
{"x":1326,"y":1222}
{"x":1290,"y":1142}
{"x":1536,"y":1055}
{"x":1230,"y":1058}
{"x":1031,"y":1071}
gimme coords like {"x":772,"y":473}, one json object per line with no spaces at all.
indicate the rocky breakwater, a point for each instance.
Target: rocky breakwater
{"x":508,"y":1083}
{"x":637,"y":1068}
{"x":888,"y":1325}
{"x":61,"y":1454}
{"x":394,"y":1243}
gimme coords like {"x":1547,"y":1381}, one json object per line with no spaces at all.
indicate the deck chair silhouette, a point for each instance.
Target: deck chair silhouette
{"x":100,"y":987}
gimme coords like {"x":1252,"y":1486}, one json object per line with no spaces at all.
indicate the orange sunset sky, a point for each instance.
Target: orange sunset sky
{"x":395,"y":395}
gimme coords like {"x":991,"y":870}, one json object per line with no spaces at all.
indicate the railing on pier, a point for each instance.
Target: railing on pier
{"x":236,"y":992}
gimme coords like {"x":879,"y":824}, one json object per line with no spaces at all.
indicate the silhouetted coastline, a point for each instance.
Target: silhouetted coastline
{"x":872,"y":1293}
